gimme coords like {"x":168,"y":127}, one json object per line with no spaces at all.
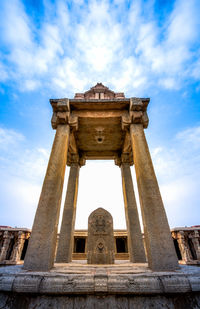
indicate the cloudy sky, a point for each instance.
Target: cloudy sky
{"x":52,"y":49}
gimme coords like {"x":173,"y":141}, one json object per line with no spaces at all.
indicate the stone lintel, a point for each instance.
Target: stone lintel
{"x":132,"y":104}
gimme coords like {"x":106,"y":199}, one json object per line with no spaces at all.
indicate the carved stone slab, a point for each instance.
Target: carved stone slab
{"x":100,"y":238}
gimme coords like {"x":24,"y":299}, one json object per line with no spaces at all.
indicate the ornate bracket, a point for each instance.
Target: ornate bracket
{"x":62,"y":115}
{"x":137,"y":113}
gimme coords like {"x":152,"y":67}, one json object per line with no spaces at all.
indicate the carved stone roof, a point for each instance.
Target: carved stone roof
{"x":99,"y":91}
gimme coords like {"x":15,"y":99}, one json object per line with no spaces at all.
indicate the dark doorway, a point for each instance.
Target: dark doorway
{"x":178,"y":252}
{"x":79,"y":245}
{"x":10,"y":249}
{"x":121,"y":244}
{"x":24,"y":249}
{"x":192,"y":249}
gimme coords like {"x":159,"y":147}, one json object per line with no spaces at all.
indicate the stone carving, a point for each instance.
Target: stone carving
{"x":100,"y":238}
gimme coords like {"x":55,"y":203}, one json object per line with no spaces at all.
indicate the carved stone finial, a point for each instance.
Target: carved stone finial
{"x":99,"y":92}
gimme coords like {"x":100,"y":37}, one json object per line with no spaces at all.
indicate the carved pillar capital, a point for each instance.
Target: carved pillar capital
{"x":74,"y":159}
{"x":62,"y":114}
{"x":137,"y":113}
{"x":125,"y":158}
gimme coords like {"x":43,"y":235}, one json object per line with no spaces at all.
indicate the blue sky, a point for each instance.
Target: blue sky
{"x":52,"y":49}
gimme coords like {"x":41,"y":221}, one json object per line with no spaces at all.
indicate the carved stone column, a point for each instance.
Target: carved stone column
{"x":65,"y":244}
{"x":41,"y":249}
{"x":6,"y":243}
{"x":135,"y":242}
{"x":195,"y":239}
{"x":185,"y":252}
{"x":160,"y":249}
{"x":17,"y":251}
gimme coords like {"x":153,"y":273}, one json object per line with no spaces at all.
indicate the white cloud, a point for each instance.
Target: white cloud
{"x":100,"y":42}
{"x":178,"y":167}
{"x":9,"y":138}
{"x":22,"y":170}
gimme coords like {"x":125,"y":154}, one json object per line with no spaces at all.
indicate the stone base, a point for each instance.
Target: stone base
{"x":78,"y":285}
{"x":24,"y":301}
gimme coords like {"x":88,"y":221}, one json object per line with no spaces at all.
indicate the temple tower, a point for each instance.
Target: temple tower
{"x":100,"y":124}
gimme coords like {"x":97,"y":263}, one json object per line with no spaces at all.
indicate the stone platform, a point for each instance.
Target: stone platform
{"x":78,"y":285}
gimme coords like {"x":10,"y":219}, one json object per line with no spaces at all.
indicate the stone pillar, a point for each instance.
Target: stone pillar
{"x":65,"y":244}
{"x":195,"y":239}
{"x":135,"y":242}
{"x":185,"y":252}
{"x":6,"y":243}
{"x":161,"y":253}
{"x":17,"y":251}
{"x":41,"y":249}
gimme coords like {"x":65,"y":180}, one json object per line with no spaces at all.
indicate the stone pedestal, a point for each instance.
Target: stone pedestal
{"x":100,"y":243}
{"x":65,"y":245}
{"x":41,"y":249}
{"x":135,"y":241}
{"x":160,"y":249}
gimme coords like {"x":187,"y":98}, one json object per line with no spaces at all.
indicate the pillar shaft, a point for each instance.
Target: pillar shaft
{"x":195,"y":240}
{"x":17,"y":251}
{"x":135,"y":242}
{"x":41,"y":249}
{"x":65,"y":245}
{"x":6,"y":243}
{"x":183,"y":246}
{"x":160,"y":249}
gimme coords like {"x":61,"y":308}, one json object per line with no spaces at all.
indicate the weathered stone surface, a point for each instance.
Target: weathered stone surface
{"x":6,"y":242}
{"x":135,"y":241}
{"x":100,"y":238}
{"x":74,"y":279}
{"x":65,"y":245}
{"x":19,"y":301}
{"x":160,"y":249}
{"x":41,"y":249}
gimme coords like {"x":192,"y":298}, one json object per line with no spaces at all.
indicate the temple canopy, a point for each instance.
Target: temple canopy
{"x":100,"y":124}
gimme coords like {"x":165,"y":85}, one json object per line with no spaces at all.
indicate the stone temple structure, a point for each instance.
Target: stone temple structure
{"x":100,"y":124}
